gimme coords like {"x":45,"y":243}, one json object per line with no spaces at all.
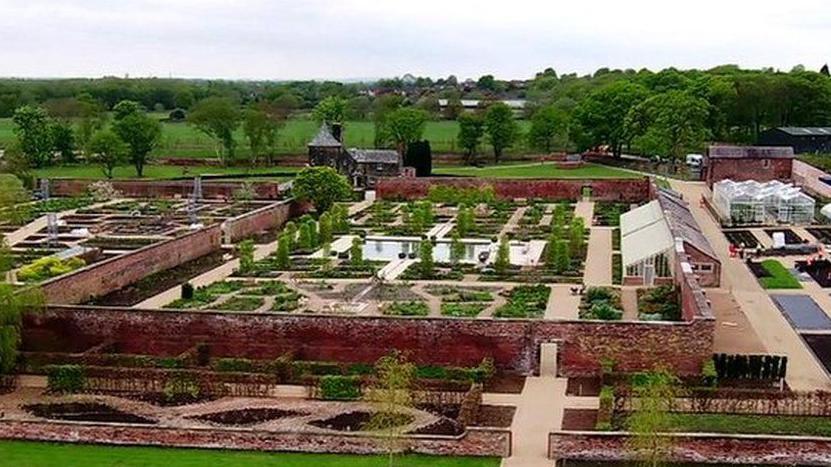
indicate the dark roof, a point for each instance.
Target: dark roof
{"x":374,"y":156}
{"x":805,"y":131}
{"x":325,"y":139}
{"x":750,"y":152}
{"x":681,"y":221}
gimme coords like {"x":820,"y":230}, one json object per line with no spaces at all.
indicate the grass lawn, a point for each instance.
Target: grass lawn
{"x":780,"y":277}
{"x":541,"y":170}
{"x":75,"y":455}
{"x":751,"y":424}
{"x":162,"y":171}
{"x":182,"y":140}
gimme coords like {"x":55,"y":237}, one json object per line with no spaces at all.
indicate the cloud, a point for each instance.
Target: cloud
{"x":282,"y":39}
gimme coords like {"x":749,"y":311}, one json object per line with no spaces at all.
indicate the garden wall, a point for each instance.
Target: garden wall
{"x":711,"y":448}
{"x":265,"y":218}
{"x":626,"y":190}
{"x":474,"y":442}
{"x":513,"y":344}
{"x":101,"y":278}
{"x":165,"y":188}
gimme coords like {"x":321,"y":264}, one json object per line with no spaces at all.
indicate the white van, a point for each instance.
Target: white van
{"x":694,"y":160}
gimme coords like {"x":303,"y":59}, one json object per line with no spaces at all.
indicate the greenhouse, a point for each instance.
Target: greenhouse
{"x":646,"y":244}
{"x":751,"y":202}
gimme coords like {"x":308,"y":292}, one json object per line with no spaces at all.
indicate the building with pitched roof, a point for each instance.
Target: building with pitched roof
{"x":362,"y":166}
{"x":803,"y":140}
{"x":739,"y":163}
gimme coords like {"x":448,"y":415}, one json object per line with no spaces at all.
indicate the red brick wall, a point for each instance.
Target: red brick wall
{"x":749,"y":169}
{"x":115,"y":273}
{"x":475,"y":442}
{"x":513,"y":344}
{"x":711,"y":279}
{"x":266,"y":218}
{"x":165,"y":189}
{"x":626,"y":190}
{"x":694,"y":304}
{"x":726,"y":449}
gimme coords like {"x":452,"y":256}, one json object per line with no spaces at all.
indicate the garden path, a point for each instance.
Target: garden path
{"x":763,"y":238}
{"x":562,"y":304}
{"x":804,"y":371}
{"x":598,"y":269}
{"x":629,"y":301}
{"x":513,"y":222}
{"x":585,"y":209}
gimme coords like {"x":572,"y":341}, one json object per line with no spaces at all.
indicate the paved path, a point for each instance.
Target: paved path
{"x":804,"y":371}
{"x":629,"y":302}
{"x":19,"y":235}
{"x":539,"y":411}
{"x":585,"y":209}
{"x":394,"y":268}
{"x":598,"y":270}
{"x":561,"y":303}
{"x":513,"y":221}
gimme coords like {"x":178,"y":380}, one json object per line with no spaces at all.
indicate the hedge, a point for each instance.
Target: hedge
{"x":65,"y":378}
{"x":340,"y":387}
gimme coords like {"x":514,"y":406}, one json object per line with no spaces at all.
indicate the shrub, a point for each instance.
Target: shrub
{"x":181,"y":386}
{"x":412,"y":308}
{"x":604,"y":413}
{"x":339,"y":387}
{"x":187,"y":291}
{"x":47,"y":268}
{"x":604,"y":311}
{"x":246,"y":256}
{"x":65,"y":378}
{"x":233,"y":365}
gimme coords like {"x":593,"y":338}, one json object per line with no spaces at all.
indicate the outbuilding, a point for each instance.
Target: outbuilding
{"x":803,"y":140}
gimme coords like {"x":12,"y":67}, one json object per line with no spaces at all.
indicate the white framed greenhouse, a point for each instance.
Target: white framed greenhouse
{"x":751,"y":202}
{"x":646,"y":244}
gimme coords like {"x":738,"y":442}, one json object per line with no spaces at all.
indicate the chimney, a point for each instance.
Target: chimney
{"x":337,"y":132}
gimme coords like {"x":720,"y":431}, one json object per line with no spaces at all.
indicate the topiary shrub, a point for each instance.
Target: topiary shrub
{"x":233,"y":365}
{"x":339,"y":387}
{"x":181,"y":386}
{"x":65,"y":378}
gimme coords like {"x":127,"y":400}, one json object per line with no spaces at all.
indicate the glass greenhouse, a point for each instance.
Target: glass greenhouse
{"x":751,"y":202}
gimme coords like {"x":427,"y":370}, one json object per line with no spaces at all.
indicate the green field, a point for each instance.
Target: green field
{"x":74,"y":455}
{"x":182,"y":140}
{"x":164,"y":172}
{"x":542,"y":170}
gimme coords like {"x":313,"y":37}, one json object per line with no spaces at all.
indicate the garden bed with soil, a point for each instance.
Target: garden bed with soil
{"x":737,"y":237}
{"x":86,"y":412}
{"x":247,"y":417}
{"x":356,"y":421}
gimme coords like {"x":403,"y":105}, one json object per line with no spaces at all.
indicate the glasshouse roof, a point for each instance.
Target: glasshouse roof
{"x":644,"y":233}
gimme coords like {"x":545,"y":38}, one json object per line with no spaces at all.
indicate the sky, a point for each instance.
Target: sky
{"x":349,"y":39}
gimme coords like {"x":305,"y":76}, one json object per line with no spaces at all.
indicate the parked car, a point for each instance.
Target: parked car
{"x":694,"y":160}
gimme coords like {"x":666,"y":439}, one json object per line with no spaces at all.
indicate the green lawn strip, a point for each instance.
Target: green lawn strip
{"x":751,"y":424}
{"x":413,"y":308}
{"x":161,"y":172}
{"x":32,"y":454}
{"x":780,"y":277}
{"x":525,"y":301}
{"x":542,"y":170}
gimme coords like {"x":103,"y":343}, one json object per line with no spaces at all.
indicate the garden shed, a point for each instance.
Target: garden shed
{"x":751,"y":202}
{"x":646,"y":244}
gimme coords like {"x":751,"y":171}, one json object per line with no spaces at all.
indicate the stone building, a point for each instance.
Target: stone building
{"x":362,"y":166}
{"x":739,"y":163}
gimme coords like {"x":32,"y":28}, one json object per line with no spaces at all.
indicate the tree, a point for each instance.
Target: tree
{"x":672,"y":123}
{"x":322,"y":186}
{"x":457,"y":248}
{"x":290,"y":231}
{"x":502,"y":130}
{"x":487,"y":83}
{"x":108,"y":150}
{"x":656,"y":392}
{"x":405,"y":126}
{"x":577,"y":239}
{"x":91,"y":119}
{"x":331,"y":110}
{"x":356,"y":252}
{"x":426,"y":264}
{"x":325,"y":226}
{"x":503,"y":257}
{"x":218,"y":118}
{"x":824,"y":70}
{"x":34,"y":133}
{"x":549,"y":129}
{"x":283,"y":254}
{"x":392,"y":395}
{"x":562,"y":259}
{"x":140,"y":131}
{"x":464,"y":221}
{"x":471,"y":131}
{"x":64,"y":140}
{"x":454,"y":108}
{"x":384,"y":106}
{"x":602,"y":113}
{"x":245,"y":249}
{"x":260,"y":129}
{"x":304,"y":237}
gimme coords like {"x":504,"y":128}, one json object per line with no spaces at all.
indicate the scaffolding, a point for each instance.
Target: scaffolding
{"x":751,"y":202}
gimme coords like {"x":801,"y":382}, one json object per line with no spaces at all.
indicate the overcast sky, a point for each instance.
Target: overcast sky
{"x":301,"y":39}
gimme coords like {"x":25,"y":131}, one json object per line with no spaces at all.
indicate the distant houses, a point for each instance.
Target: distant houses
{"x":517,"y":105}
